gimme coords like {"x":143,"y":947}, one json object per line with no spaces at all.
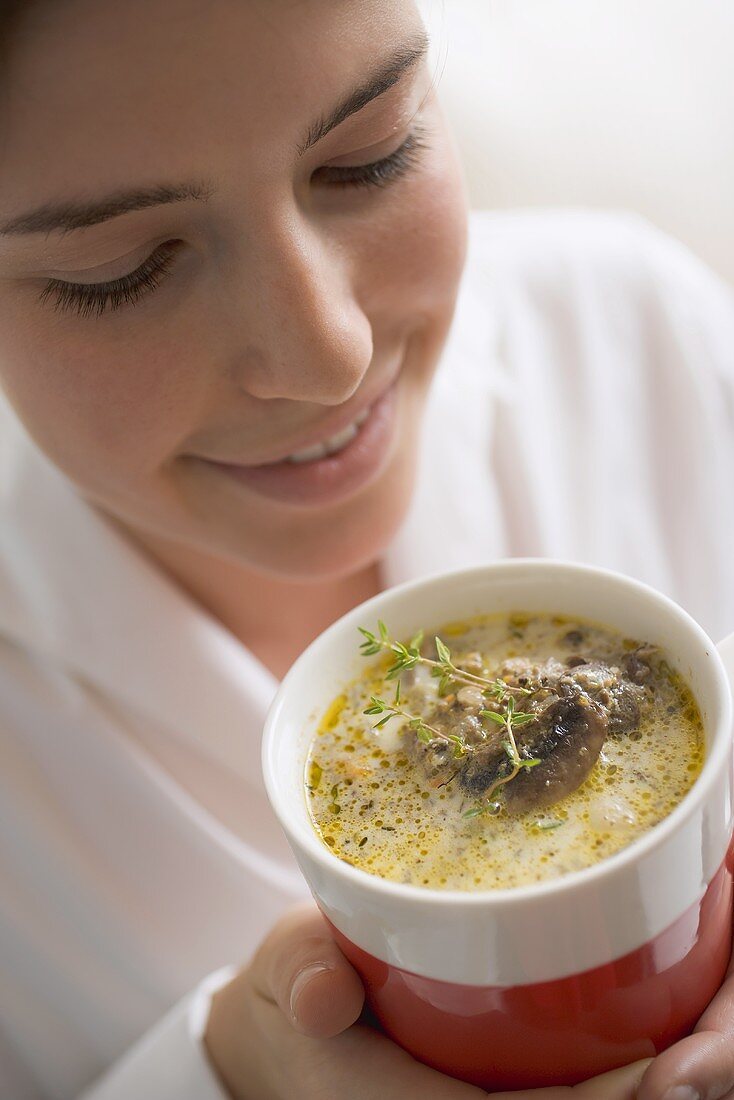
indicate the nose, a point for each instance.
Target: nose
{"x":306,"y":338}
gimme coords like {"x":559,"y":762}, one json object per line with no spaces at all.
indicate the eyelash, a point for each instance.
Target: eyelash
{"x":381,"y":172}
{"x":94,"y":299}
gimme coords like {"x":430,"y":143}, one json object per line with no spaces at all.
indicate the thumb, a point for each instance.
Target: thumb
{"x":300,"y":969}
{"x":702,"y":1064}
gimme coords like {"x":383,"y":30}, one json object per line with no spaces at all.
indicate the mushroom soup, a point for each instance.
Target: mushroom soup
{"x":502,"y":751}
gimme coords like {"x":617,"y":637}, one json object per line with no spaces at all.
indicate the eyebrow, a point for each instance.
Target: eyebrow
{"x":69,"y":216}
{"x":404,"y":59}
{"x":80,"y":215}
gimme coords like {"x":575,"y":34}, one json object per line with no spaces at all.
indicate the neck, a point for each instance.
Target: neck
{"x":274,"y":618}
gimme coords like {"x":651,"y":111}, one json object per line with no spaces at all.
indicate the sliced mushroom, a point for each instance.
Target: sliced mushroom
{"x":568,"y":742}
{"x":484,"y":767}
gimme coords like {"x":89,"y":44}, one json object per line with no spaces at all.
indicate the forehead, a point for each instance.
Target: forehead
{"x":95,"y":89}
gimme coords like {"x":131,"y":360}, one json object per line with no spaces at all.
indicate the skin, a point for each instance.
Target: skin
{"x":287,"y":298}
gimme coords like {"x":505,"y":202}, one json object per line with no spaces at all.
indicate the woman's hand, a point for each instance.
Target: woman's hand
{"x":701,"y":1066}
{"x":286,"y":1027}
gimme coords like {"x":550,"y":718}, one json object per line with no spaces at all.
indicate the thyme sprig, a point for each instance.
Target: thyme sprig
{"x":407,"y":657}
{"x":510,"y":720}
{"x":424,"y":732}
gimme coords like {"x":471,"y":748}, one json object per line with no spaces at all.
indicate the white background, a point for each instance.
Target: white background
{"x":614,"y":103}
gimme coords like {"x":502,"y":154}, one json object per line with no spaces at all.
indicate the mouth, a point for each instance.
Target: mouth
{"x":330,"y":469}
{"x":333,"y":444}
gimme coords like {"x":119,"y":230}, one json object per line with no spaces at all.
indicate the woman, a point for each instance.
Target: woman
{"x":232,"y":244}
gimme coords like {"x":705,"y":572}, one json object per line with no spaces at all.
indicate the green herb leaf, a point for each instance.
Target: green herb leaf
{"x":475,"y":811}
{"x":530,"y":763}
{"x":444,"y":685}
{"x":371,"y":645}
{"x":520,"y":718}
{"x":493,"y":716}
{"x":443,"y":651}
{"x":459,"y":746}
{"x":499,"y":690}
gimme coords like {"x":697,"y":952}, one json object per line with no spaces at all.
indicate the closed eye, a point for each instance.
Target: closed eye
{"x":382,"y":172}
{"x":93,"y":299}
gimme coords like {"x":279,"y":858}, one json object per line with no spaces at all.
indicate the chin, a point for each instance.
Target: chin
{"x":354,"y":542}
{"x":351,"y":537}
{"x":342,"y":540}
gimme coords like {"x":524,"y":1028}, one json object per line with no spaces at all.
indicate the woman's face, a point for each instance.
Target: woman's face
{"x":228,"y":232}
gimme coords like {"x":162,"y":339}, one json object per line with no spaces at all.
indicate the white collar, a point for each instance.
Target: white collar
{"x":74,"y":590}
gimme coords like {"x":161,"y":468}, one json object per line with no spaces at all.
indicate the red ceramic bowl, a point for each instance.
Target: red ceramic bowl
{"x":545,"y":984}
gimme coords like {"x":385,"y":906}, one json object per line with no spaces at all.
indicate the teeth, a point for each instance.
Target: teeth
{"x":308,"y":454}
{"x":339,"y":441}
{"x":332,"y":445}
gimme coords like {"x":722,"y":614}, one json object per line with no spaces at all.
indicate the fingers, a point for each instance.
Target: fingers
{"x":618,"y":1084}
{"x":719,"y":1016}
{"x":703,"y":1063}
{"x":363,"y":1064}
{"x":300,"y":968}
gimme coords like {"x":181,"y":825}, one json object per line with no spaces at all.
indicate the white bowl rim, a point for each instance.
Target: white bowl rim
{"x":509,"y":896}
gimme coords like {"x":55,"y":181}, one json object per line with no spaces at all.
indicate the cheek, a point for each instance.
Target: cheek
{"x":106,"y":411}
{"x":418,"y":244}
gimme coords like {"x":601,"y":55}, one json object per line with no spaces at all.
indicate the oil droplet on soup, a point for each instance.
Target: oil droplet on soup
{"x":609,"y":736}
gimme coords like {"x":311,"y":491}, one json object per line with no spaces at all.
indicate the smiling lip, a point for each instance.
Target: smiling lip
{"x":332,"y":478}
{"x":330,"y":426}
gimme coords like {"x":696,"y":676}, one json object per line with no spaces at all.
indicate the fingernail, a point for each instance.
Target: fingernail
{"x":301,"y":980}
{"x":682,"y":1092}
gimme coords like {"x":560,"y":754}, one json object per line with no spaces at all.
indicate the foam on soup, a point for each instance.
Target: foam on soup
{"x":608,"y":735}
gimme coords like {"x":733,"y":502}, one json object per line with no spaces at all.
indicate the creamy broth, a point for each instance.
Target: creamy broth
{"x":610,"y":718}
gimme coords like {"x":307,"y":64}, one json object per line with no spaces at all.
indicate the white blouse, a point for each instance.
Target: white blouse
{"x":583,"y":409}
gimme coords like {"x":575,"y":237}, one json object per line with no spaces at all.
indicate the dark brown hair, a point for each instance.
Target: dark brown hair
{"x":10,"y":15}
{"x":10,"y":12}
